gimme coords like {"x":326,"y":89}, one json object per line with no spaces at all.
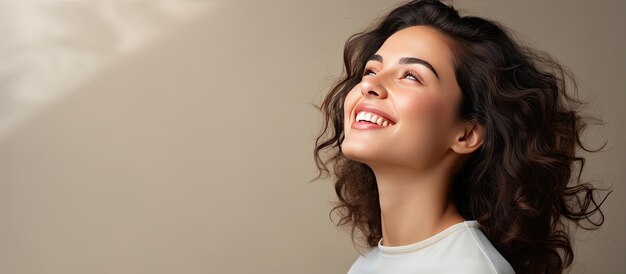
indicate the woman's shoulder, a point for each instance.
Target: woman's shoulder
{"x":473,"y":241}
{"x":463,"y":248}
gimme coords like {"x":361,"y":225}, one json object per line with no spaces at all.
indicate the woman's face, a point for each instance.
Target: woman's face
{"x":409,"y":84}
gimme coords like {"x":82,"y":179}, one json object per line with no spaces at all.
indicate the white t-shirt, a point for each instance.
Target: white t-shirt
{"x":460,"y":248}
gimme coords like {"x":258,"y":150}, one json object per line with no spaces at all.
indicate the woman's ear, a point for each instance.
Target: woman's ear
{"x":469,"y":138}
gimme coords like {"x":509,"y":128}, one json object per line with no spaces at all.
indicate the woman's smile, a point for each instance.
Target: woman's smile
{"x":370,"y":117}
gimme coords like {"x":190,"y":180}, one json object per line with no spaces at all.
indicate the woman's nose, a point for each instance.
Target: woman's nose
{"x":372,"y":88}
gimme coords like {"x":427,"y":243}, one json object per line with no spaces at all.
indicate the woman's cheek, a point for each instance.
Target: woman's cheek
{"x":421,"y":107}
{"x":422,"y":116}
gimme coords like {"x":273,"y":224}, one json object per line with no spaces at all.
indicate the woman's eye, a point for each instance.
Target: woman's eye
{"x":411,"y":76}
{"x":368,"y":72}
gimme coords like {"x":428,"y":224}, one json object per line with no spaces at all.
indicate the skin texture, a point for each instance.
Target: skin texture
{"x":415,"y":159}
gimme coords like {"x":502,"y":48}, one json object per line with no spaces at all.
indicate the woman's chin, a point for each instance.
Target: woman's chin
{"x":360,"y":153}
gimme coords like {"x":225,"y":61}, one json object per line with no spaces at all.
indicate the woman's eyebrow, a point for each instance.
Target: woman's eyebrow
{"x":406,"y":60}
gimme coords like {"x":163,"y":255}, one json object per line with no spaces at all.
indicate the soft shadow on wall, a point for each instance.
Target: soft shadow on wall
{"x":138,"y":137}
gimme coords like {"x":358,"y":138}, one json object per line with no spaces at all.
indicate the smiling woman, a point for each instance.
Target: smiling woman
{"x":453,"y":147}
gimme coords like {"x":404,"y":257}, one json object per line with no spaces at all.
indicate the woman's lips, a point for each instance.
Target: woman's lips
{"x":366,"y":125}
{"x":375,"y":110}
{"x":368,"y":116}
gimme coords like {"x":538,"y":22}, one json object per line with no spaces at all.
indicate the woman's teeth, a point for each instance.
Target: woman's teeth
{"x":372,"y":118}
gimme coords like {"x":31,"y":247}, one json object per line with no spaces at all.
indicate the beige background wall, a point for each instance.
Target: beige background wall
{"x":176,"y":136}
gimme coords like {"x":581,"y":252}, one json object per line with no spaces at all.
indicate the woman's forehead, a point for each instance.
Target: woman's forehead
{"x":420,"y":41}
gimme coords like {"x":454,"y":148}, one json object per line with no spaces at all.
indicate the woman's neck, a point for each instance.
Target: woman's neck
{"x":414,"y":205}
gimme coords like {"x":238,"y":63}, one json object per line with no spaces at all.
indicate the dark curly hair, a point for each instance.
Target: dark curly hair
{"x":518,"y":184}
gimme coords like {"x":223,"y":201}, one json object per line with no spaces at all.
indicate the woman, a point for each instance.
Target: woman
{"x":452,"y":147}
